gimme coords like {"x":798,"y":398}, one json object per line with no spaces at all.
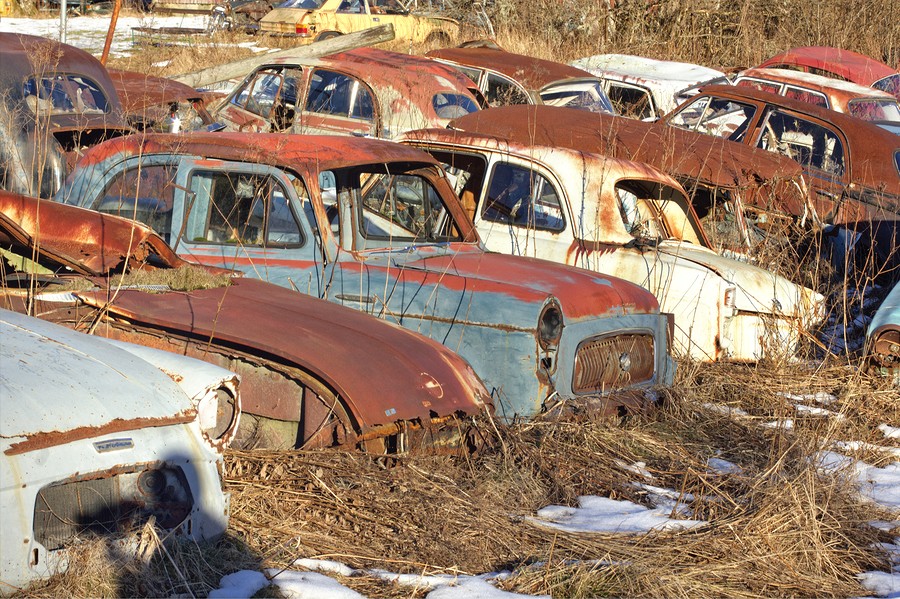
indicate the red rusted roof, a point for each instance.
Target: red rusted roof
{"x":846,"y":64}
{"x":533,"y":73}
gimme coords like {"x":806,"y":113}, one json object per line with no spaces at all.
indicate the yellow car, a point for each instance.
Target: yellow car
{"x":317,"y":20}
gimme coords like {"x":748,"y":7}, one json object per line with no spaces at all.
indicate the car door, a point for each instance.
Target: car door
{"x":337,"y":103}
{"x":251,"y":218}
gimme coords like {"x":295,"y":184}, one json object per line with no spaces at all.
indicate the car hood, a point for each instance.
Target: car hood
{"x":58,"y":383}
{"x":758,"y":290}
{"x":582,"y":294}
{"x":407,"y":375}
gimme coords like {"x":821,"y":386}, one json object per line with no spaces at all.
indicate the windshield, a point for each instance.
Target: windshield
{"x":652,"y":211}
{"x":64,"y":94}
{"x":715,"y":116}
{"x":586,"y":95}
{"x":872,"y":109}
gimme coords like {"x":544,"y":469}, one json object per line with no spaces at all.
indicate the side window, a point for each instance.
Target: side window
{"x":338,"y":94}
{"x":632,"y":102}
{"x":259,"y":94}
{"x":806,"y":95}
{"x":144,"y":193}
{"x":810,"y":144}
{"x":522,"y":197}
{"x":639,"y":215}
{"x":351,"y":7}
{"x":503,"y":92}
{"x":470,"y":72}
{"x":765,"y":86}
{"x":248,"y":210}
{"x":403,"y":207}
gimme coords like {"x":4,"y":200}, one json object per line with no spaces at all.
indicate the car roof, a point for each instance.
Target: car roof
{"x":630,"y":67}
{"x":847,"y":64}
{"x":845,"y":89}
{"x":533,"y":73}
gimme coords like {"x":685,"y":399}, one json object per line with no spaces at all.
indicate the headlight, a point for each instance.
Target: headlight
{"x":550,"y":326}
{"x":217,"y":414}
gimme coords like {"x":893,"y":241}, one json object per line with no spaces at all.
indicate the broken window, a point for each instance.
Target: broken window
{"x":340,"y":95}
{"x":271,"y":94}
{"x":145,"y":193}
{"x":522,"y":197}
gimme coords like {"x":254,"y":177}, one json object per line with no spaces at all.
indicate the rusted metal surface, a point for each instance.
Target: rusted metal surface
{"x":867,"y":187}
{"x":361,"y":360}
{"x":883,"y":335}
{"x":149,"y":98}
{"x":844,"y":64}
{"x":442,"y":283}
{"x":403,"y":90}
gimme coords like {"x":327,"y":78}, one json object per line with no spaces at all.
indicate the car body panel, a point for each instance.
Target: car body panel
{"x":645,"y":88}
{"x":883,"y":335}
{"x":67,"y":473}
{"x":439,"y":282}
{"x":349,"y":16}
{"x":404,"y":92}
{"x":506,"y":78}
{"x":577,"y":217}
{"x":276,"y":338}
{"x":842,"y":96}
{"x":849,"y":162}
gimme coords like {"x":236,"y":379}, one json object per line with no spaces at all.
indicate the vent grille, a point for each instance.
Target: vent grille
{"x":614,"y":362}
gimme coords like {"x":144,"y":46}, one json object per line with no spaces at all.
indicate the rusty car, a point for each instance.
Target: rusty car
{"x":842,"y":96}
{"x":840,"y":64}
{"x":852,"y":166}
{"x":535,"y":192}
{"x":56,"y":100}
{"x":359,"y":92}
{"x":647,"y":88}
{"x":883,"y":336}
{"x":506,"y":78}
{"x":375,"y":226}
{"x":99,"y":439}
{"x":314,"y":374}
{"x":314,"y":20}
{"x":162,"y":104}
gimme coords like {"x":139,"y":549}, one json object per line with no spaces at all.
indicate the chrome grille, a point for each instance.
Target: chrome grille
{"x":613,"y":362}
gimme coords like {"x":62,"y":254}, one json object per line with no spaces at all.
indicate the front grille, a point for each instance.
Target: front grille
{"x":112,"y":505}
{"x":613,"y":362}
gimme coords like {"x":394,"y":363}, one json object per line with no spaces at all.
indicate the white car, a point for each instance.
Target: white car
{"x":99,"y":437}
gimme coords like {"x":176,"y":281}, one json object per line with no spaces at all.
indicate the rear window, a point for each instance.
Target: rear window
{"x":765,"y":86}
{"x":452,"y":106}
{"x":61,"y":93}
{"x":876,"y":109}
{"x":586,"y":95}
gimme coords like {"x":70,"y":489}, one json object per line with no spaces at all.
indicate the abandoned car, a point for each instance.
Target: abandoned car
{"x":360,"y":92}
{"x":534,"y":193}
{"x":56,"y":100}
{"x":883,"y":336}
{"x":314,"y":20}
{"x":314,"y":374}
{"x":375,"y":226}
{"x":850,"y":98}
{"x":852,"y":166}
{"x":647,"y":88}
{"x":840,"y":64}
{"x":99,"y":439}
{"x":506,"y":78}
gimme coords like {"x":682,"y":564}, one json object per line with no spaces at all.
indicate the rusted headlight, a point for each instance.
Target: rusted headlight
{"x":217,"y":414}
{"x":550,"y":326}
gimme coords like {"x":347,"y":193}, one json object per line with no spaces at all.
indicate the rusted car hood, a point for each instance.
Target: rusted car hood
{"x":674,"y":151}
{"x":138,"y":91}
{"x":91,"y":370}
{"x":321,"y":335}
{"x":581,"y":291}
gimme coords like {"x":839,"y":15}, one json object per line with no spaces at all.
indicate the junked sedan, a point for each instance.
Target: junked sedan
{"x":375,"y":226}
{"x":359,"y":92}
{"x":546,"y":197}
{"x":506,"y":78}
{"x":314,"y":374}
{"x":98,"y":439}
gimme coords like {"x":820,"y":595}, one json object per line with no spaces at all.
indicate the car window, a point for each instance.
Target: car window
{"x":403,"y":207}
{"x":522,"y":197}
{"x":338,"y":94}
{"x":721,"y":117}
{"x":504,"y":92}
{"x":890,"y":84}
{"x":271,"y":94}
{"x":766,"y":86}
{"x":386,"y":7}
{"x":806,"y":95}
{"x":811,"y":144}
{"x":897,"y":161}
{"x":875,"y":109}
{"x":62,"y":93}
{"x":633,"y":102}
{"x":351,"y":6}
{"x":145,"y":193}
{"x":245,"y":209}
{"x":470,"y":72}
{"x":307,"y":4}
{"x":452,"y":106}
{"x":586,"y":95}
